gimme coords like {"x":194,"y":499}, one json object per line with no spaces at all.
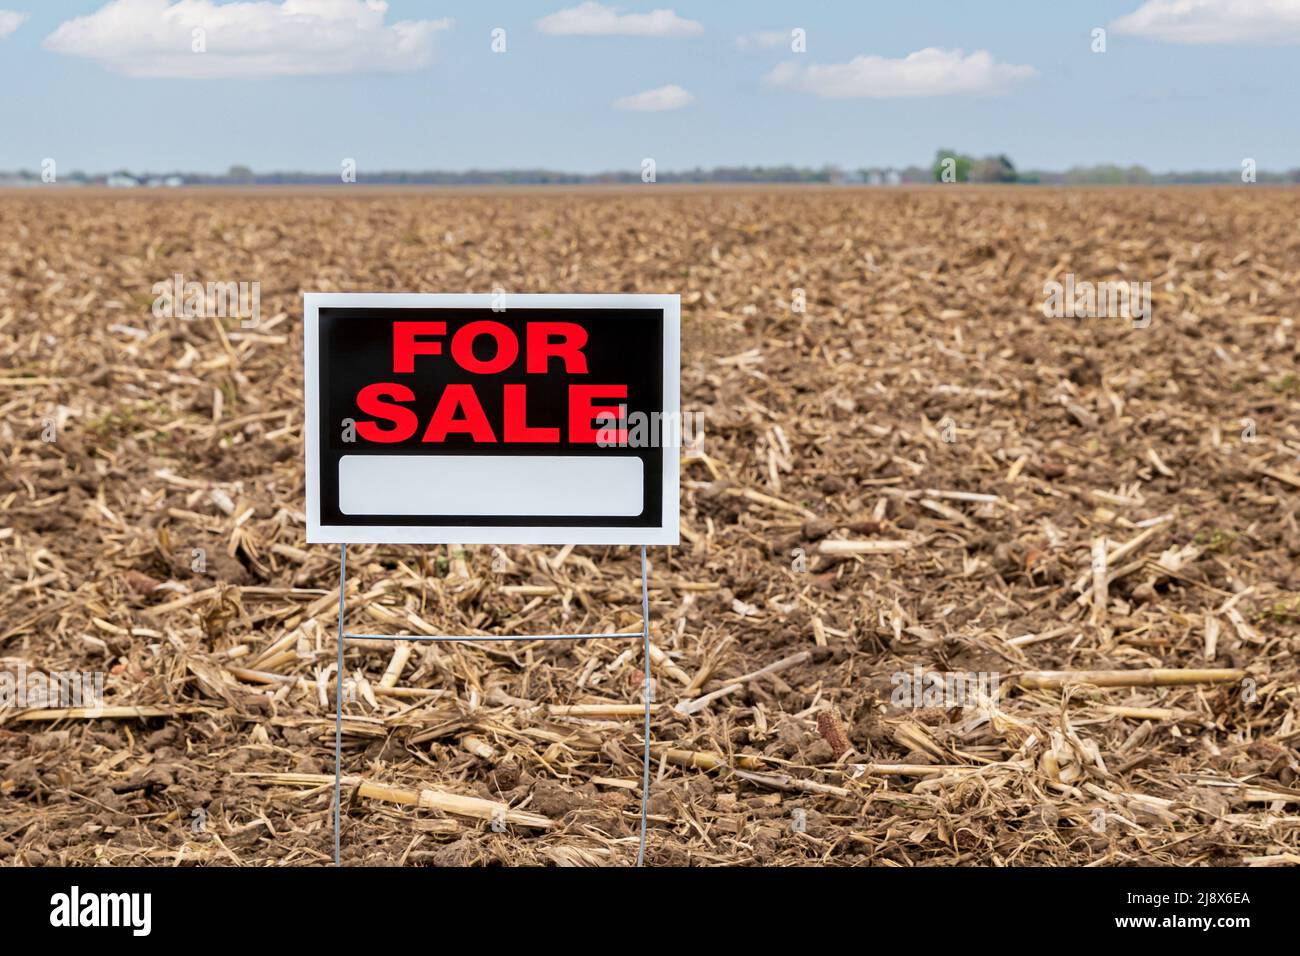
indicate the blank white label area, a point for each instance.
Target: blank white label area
{"x":494,"y":485}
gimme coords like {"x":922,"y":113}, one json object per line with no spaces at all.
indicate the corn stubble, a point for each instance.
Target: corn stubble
{"x":919,"y":471}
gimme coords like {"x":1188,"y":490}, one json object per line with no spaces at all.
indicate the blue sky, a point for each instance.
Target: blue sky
{"x":1169,"y":93}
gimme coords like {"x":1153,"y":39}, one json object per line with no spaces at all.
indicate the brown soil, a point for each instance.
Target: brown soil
{"x":922,"y":366}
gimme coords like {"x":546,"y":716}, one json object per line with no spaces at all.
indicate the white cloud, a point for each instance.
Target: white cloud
{"x":764,"y":40}
{"x":928,"y":72}
{"x":595,"y":19}
{"x":10,"y":21}
{"x":1241,"y":22}
{"x":155,"y":38}
{"x":671,"y":97}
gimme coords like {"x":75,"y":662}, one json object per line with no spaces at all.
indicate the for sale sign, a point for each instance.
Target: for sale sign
{"x":504,"y":419}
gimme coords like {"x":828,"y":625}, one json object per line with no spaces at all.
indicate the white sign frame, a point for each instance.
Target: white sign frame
{"x":667,"y":532}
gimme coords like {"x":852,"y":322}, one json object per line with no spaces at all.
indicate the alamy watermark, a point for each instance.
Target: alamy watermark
{"x":683,"y":430}
{"x":1098,"y":300}
{"x":73,"y":909}
{"x":36,"y":690}
{"x":177,"y":298}
{"x":945,"y":689}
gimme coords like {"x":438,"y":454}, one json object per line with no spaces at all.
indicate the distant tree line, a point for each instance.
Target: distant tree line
{"x":951,"y":166}
{"x":506,"y":177}
{"x":948,"y":166}
{"x":1111,"y":175}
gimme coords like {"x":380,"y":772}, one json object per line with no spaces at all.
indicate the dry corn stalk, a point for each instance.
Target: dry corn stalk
{"x":426,"y":799}
{"x":1147,"y":677}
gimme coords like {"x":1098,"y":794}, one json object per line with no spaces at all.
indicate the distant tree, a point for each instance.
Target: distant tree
{"x":994,"y":169}
{"x":1106,"y":174}
{"x":240,"y":174}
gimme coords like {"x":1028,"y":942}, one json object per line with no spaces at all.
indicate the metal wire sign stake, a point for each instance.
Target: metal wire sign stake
{"x":492,"y":419}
